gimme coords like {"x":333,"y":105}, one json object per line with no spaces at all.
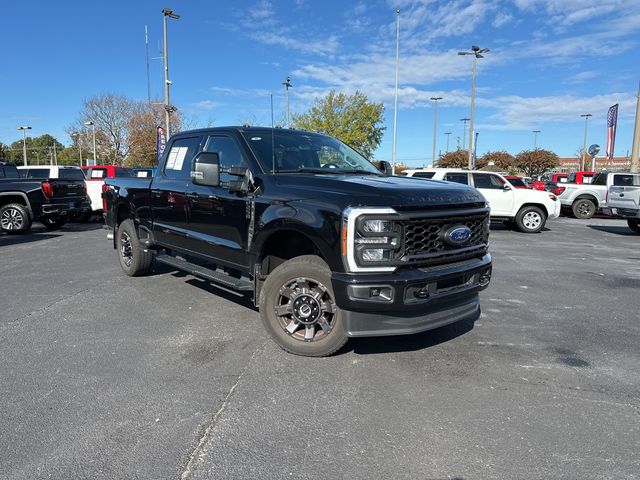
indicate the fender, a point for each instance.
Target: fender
{"x":24,"y":197}
{"x":316,"y":225}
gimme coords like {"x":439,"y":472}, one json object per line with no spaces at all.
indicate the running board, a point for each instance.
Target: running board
{"x":240,"y":284}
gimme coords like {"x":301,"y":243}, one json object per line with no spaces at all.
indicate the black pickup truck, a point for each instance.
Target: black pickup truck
{"x":49,"y":201}
{"x":328,"y":245}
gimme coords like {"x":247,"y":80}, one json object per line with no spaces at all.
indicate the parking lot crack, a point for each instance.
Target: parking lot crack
{"x":196,"y":454}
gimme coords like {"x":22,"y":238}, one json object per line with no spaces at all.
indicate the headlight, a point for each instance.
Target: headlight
{"x":553,"y":197}
{"x":371,"y":239}
{"x":377,"y":226}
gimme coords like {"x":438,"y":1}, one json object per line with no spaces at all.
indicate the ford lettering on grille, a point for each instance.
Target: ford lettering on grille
{"x":457,"y":235}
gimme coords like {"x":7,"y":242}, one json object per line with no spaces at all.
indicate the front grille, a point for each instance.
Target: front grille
{"x":424,"y":238}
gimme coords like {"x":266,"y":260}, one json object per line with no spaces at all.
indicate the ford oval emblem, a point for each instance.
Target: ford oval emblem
{"x":457,"y":235}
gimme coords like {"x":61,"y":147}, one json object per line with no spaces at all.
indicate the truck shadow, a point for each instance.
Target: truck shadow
{"x":6,"y":240}
{"x":618,"y":230}
{"x":409,"y":343}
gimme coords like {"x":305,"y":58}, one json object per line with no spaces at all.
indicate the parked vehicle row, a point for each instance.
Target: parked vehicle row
{"x":527,"y":209}
{"x":47,"y":200}
{"x":623,"y":199}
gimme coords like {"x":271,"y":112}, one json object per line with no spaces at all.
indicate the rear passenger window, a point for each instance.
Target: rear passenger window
{"x":623,"y":180}
{"x":38,"y":173}
{"x":457,"y":178}
{"x":424,"y":174}
{"x":178,"y":161}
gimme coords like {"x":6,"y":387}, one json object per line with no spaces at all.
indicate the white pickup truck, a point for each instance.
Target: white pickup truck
{"x":528,"y":209}
{"x":623,"y":199}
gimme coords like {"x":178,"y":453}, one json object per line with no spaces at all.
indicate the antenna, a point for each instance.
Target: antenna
{"x":146,"y":46}
{"x":273,"y":142}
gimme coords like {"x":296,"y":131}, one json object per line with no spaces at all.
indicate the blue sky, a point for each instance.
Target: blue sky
{"x":550,"y":61}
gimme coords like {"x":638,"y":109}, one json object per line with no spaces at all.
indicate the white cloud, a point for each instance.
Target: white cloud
{"x":570,"y":12}
{"x":581,"y":77}
{"x":501,"y":19}
{"x":240,"y":92}
{"x":205,"y":105}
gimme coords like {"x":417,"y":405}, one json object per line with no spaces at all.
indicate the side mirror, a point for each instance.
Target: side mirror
{"x":206,"y":169}
{"x":506,"y":187}
{"x":385,"y":168}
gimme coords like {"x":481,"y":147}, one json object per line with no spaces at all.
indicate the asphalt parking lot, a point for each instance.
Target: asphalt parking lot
{"x":106,"y":377}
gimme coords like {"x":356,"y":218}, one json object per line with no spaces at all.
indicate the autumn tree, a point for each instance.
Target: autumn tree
{"x":350,"y":118}
{"x":142,"y":130}
{"x":501,"y":160}
{"x":535,"y":162}
{"x":458,"y":159}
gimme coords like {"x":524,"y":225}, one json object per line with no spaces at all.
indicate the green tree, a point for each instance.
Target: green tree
{"x":350,"y":118}
{"x":535,"y":162}
{"x":4,"y":152}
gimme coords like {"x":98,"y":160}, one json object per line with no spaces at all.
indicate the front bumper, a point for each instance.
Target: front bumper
{"x":555,"y":213}
{"x":66,"y":207}
{"x":410,"y":301}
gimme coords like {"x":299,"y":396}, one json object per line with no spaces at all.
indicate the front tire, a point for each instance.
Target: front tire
{"x":530,"y":219}
{"x":132,"y":257}
{"x":14,"y":218}
{"x":634,"y":224}
{"x":53,"y":223}
{"x":583,"y":208}
{"x":298,"y":309}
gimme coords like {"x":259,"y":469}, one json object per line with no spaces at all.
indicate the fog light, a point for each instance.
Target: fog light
{"x":375,"y":254}
{"x":484,"y":278}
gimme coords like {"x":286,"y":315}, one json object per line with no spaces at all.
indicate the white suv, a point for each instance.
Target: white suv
{"x":528,"y":209}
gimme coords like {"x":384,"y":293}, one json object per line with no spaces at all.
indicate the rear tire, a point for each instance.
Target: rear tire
{"x":297,"y":308}
{"x":634,"y":224}
{"x":530,"y":219}
{"x":14,"y":219}
{"x":53,"y":223}
{"x":132,"y":257}
{"x":583,"y":208}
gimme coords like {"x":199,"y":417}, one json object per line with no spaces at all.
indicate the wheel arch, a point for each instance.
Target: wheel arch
{"x":16,"y":197}
{"x":541,"y":206}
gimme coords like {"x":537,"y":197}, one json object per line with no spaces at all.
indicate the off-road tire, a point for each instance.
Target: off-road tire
{"x":530,"y":219}
{"x":14,"y":218}
{"x":583,"y":208}
{"x":634,"y":224}
{"x":132,"y":257}
{"x":53,"y":223}
{"x":282,"y":284}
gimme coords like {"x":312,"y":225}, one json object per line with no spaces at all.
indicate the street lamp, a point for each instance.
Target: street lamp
{"x":167,"y":12}
{"x":477,"y":53}
{"x":93,"y":129}
{"x":464,"y":131}
{"x":37,"y":154}
{"x":435,"y":122}
{"x":395,"y":97}
{"x":535,"y":139}
{"x":24,"y":129}
{"x":448,"y":134}
{"x":287,"y":86}
{"x":584,"y":143}
{"x":76,"y":139}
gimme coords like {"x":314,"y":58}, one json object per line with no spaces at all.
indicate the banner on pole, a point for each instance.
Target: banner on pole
{"x":161,"y":142}
{"x":612,"y":123}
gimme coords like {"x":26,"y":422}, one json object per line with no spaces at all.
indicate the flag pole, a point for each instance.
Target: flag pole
{"x":395,"y":101}
{"x":636,"y":136}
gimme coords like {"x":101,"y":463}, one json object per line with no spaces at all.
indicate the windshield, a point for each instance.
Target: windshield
{"x":306,"y":152}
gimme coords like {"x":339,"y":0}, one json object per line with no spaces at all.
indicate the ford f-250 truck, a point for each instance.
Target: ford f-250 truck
{"x":50,"y":201}
{"x":328,"y":245}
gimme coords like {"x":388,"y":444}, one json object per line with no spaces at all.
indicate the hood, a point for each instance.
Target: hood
{"x":371,"y":190}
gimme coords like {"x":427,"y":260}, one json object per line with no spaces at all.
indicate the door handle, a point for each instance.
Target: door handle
{"x":193,"y":197}
{"x":156,"y":193}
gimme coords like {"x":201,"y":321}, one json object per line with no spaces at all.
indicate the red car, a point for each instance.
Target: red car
{"x":548,"y":181}
{"x":581,"y":177}
{"x":100,"y":172}
{"x":516,"y":181}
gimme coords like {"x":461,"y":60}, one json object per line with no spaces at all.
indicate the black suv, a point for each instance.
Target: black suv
{"x":328,"y":245}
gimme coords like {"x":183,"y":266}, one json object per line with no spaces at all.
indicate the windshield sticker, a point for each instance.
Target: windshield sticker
{"x":176,"y":158}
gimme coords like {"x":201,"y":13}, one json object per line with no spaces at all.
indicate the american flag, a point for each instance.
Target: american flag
{"x":612,"y":122}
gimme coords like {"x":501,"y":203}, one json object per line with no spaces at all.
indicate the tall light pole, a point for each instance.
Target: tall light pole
{"x":448,"y":134}
{"x":584,"y":143}
{"x":464,"y":131}
{"x":37,"y":154}
{"x":287,"y":86}
{"x":535,"y":139}
{"x":76,"y":139}
{"x":477,"y":53}
{"x":167,"y":12}
{"x":435,"y":123}
{"x":93,"y":131}
{"x":636,"y":137}
{"x":395,"y":100}
{"x":24,"y":129}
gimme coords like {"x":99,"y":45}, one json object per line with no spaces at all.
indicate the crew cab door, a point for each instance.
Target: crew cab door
{"x":218,"y":219}
{"x":496,"y":191}
{"x":169,"y":189}
{"x":624,"y":192}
